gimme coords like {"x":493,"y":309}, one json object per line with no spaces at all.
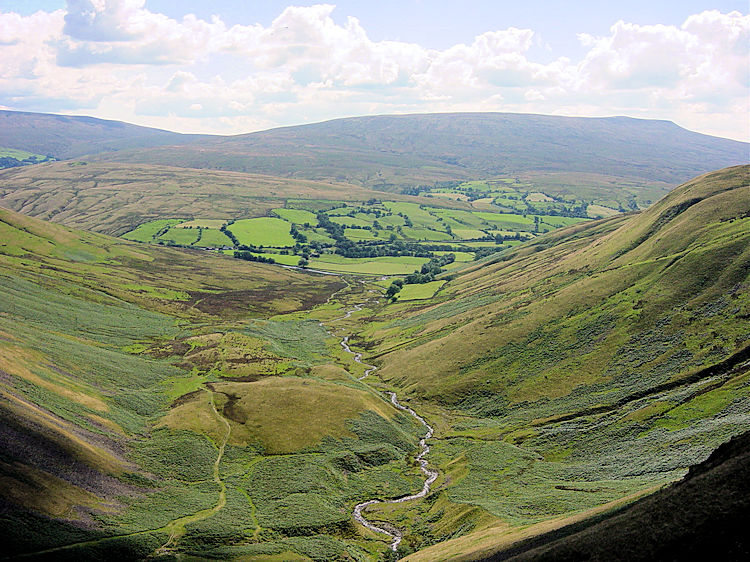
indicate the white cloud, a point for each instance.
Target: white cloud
{"x":115,"y":58}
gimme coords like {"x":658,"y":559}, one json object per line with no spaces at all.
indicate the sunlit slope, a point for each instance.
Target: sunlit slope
{"x":115,"y":198}
{"x":585,"y":368}
{"x":574,"y":309}
{"x":392,"y":150}
{"x":698,"y":517}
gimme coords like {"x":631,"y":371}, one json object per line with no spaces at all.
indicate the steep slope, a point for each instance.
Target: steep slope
{"x":410,"y":149}
{"x":680,"y":268}
{"x":63,"y":136}
{"x":586,"y":367}
{"x":699,"y":517}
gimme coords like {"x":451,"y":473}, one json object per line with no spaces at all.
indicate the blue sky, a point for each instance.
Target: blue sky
{"x":230,"y":67}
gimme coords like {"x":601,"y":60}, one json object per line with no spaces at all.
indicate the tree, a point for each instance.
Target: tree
{"x":302,"y":262}
{"x":392,"y":290}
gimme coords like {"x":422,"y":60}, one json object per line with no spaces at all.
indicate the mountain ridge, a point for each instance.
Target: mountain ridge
{"x":70,"y":136}
{"x":392,"y":152}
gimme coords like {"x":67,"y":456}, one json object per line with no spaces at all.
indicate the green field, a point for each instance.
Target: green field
{"x":264,"y":231}
{"x":297,"y":216}
{"x":419,"y":291}
{"x":148,"y":231}
{"x":180,"y":236}
{"x":377,"y":223}
{"x":19,"y":154}
{"x":283,"y":259}
{"x":356,"y":234}
{"x":416,"y":214}
{"x":369,"y":266}
{"x":350,"y":221}
{"x":211,"y":238}
{"x":215,"y":224}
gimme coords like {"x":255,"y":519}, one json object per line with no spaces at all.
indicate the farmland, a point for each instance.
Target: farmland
{"x":376,"y":237}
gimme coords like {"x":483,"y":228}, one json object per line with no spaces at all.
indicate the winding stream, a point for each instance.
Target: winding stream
{"x":395,"y":534}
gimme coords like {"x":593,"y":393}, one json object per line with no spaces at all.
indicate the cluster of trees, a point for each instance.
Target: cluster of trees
{"x":373,"y":249}
{"x":297,"y":235}
{"x":416,"y":190}
{"x":230,"y":234}
{"x":248,"y":256}
{"x":559,"y":210}
{"x":500,"y":238}
{"x":480,"y":253}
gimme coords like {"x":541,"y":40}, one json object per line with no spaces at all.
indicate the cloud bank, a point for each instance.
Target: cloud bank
{"x":116,"y":59}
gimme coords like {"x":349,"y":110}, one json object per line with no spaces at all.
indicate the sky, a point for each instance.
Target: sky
{"x":228,"y":67}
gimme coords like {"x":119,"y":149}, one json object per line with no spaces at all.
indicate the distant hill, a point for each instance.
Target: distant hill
{"x":619,"y":158}
{"x":395,"y":150}
{"x":64,"y":136}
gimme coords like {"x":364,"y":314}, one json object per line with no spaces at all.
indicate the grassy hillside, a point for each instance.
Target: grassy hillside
{"x":698,"y":517}
{"x":389,"y":152}
{"x":602,"y":359}
{"x":115,"y":198}
{"x":149,"y":405}
{"x":64,"y":136}
{"x":612,"y":279}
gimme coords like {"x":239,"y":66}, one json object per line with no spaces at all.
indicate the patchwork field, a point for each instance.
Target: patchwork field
{"x":381,"y":231}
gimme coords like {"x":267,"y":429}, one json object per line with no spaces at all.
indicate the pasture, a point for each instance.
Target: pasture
{"x":375,"y":227}
{"x":263,"y":231}
{"x":419,"y":291}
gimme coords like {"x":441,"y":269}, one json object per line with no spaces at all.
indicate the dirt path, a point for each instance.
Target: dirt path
{"x":176,"y":528}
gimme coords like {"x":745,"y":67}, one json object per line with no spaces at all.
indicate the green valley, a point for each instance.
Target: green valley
{"x":400,"y":350}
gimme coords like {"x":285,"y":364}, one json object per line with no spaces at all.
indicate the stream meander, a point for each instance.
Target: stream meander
{"x":395,"y":534}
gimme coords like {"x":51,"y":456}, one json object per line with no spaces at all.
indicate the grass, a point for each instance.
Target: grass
{"x":148,"y":231}
{"x":264,"y":231}
{"x":417,"y":233}
{"x":213,"y":239}
{"x":297,"y":216}
{"x":19,"y":154}
{"x":581,"y":385}
{"x":468,"y":233}
{"x":213,"y":224}
{"x":128,"y":195}
{"x":419,"y":291}
{"x":370,"y":266}
{"x":350,"y":221}
{"x":600,"y":211}
{"x":357,"y":234}
{"x":179,"y":236}
{"x":418,"y":215}
{"x":576,"y":388}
